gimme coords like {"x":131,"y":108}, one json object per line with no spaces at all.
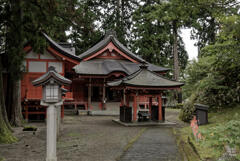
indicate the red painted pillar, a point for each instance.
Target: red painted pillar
{"x":135,"y":108}
{"x":75,"y":107}
{"x":89,"y":94}
{"x":160,"y":108}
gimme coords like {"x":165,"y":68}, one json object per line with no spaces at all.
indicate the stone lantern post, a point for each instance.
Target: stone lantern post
{"x":51,"y":83}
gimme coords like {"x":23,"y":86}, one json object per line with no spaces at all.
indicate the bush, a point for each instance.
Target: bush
{"x":186,"y":112}
{"x":179,"y":106}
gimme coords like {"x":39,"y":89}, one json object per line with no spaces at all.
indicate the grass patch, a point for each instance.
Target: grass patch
{"x":2,"y":159}
{"x":172,"y":110}
{"x":207,"y":148}
{"x":74,"y":135}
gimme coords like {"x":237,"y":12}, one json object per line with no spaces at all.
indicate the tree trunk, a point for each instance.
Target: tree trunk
{"x":5,"y":129}
{"x":175,"y":52}
{"x":16,"y":108}
{"x":15,"y":50}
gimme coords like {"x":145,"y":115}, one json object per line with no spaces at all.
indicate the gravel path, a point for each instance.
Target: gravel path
{"x":84,"y":138}
{"x":88,"y":138}
{"x":155,"y":144}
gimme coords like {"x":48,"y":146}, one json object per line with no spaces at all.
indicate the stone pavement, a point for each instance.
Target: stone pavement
{"x":155,"y":144}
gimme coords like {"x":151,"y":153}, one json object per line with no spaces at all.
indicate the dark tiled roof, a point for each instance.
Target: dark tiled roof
{"x":145,"y":78}
{"x":110,"y":38}
{"x":61,"y":48}
{"x":49,"y":75}
{"x":107,"y":66}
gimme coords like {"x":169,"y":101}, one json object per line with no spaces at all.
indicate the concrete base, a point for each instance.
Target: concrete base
{"x":98,"y":113}
{"x":147,"y":123}
{"x":83,"y":112}
{"x":103,"y":113}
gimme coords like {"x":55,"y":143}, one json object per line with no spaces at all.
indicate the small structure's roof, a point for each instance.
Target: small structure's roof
{"x":62,"y":48}
{"x":145,"y":78}
{"x":107,"y":66}
{"x":51,"y":74}
{"x":110,"y":37}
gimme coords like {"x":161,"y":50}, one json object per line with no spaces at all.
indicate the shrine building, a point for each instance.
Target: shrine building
{"x":106,"y":61}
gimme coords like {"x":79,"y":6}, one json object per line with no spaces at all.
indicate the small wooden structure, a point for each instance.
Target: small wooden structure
{"x":147,"y":84}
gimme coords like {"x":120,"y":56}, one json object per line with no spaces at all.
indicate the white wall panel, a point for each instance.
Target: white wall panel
{"x":35,"y":66}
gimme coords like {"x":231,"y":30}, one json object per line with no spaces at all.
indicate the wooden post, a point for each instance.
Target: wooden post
{"x":103,"y":96}
{"x":75,"y":107}
{"x":127,"y":100}
{"x":89,"y":93}
{"x":26,"y":113}
{"x":135,"y":107}
{"x":150,"y":105}
{"x":124,"y":97}
{"x":160,"y":108}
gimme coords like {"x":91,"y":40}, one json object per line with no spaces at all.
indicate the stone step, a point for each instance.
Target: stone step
{"x":104,"y":113}
{"x":70,"y":112}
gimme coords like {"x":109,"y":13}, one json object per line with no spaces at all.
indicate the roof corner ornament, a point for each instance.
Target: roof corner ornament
{"x":110,"y":33}
{"x":51,"y":68}
{"x":144,"y":65}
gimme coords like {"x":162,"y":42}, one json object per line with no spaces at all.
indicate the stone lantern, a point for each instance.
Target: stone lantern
{"x":51,"y":83}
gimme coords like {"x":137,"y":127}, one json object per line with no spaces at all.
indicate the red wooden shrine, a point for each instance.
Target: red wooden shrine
{"x":108,"y":60}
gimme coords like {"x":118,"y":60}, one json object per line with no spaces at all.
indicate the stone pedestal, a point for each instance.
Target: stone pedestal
{"x":53,"y":124}
{"x":51,"y":133}
{"x":58,"y":120}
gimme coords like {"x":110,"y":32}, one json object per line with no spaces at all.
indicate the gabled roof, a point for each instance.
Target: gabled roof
{"x":51,"y":74}
{"x":61,"y":48}
{"x":110,"y":37}
{"x":145,"y":78}
{"x":107,"y":66}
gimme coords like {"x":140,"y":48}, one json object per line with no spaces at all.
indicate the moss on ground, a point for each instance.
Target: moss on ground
{"x":7,"y":137}
{"x":130,"y":143}
{"x":184,"y":147}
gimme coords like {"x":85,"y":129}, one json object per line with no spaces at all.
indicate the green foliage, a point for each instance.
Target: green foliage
{"x":206,"y":18}
{"x":117,"y":15}
{"x":215,"y":76}
{"x":224,"y":134}
{"x":179,"y":106}
{"x":153,"y":36}
{"x":186,"y":112}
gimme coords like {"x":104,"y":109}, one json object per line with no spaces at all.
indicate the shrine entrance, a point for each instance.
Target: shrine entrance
{"x":144,"y":86}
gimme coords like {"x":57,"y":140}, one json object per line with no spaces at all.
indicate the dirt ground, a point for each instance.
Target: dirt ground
{"x":83,"y":138}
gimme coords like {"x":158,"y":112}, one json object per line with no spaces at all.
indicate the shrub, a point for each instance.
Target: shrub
{"x":186,"y":112}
